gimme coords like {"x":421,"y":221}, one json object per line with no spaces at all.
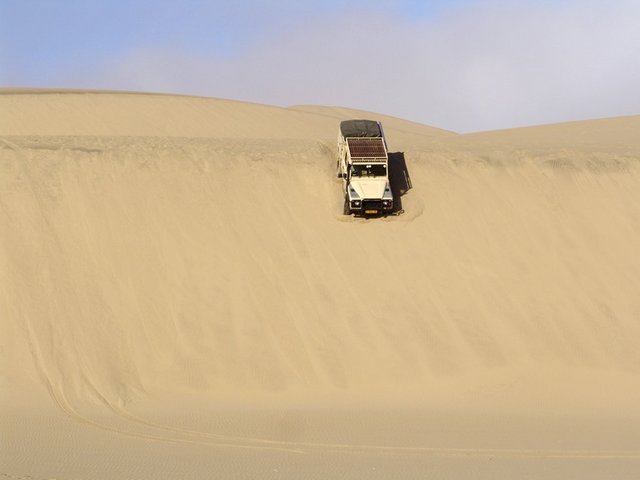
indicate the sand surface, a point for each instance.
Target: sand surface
{"x":181,"y":297}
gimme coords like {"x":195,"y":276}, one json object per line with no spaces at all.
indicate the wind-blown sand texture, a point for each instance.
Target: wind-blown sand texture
{"x":181,"y":297}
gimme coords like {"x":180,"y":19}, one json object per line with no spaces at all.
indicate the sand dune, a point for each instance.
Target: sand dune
{"x":177,"y":281}
{"x":607,"y":135}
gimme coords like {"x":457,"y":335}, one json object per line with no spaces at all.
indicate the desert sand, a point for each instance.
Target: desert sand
{"x":181,"y":296}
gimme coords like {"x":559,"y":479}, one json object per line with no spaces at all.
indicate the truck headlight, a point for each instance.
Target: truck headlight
{"x":387,"y":203}
{"x":356,"y":203}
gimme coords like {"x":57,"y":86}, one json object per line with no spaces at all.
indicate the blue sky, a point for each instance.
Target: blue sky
{"x":36,"y":34}
{"x":463,"y":65}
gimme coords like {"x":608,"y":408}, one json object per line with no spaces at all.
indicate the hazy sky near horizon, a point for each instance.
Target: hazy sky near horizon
{"x":463,"y":65}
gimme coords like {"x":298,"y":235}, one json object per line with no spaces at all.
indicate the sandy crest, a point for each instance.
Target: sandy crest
{"x":181,"y":294}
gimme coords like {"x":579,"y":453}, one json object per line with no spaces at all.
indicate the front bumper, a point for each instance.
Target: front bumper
{"x":371,"y":206}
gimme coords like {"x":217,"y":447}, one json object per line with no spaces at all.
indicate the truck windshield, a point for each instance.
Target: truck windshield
{"x":368,"y":170}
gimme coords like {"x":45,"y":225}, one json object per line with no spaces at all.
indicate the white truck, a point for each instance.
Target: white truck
{"x":363,"y":166}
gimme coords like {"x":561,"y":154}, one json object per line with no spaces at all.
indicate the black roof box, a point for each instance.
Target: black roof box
{"x":360,"y":128}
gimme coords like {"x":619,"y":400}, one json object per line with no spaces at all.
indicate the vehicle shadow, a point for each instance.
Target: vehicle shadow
{"x":399,"y":179}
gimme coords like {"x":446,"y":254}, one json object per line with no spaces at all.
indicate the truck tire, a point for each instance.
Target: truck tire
{"x":346,"y":209}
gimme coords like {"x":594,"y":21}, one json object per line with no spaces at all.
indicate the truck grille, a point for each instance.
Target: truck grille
{"x":372,"y":205}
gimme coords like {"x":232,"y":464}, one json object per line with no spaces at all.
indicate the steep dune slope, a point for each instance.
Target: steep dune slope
{"x":160,"y":246}
{"x":136,"y":263}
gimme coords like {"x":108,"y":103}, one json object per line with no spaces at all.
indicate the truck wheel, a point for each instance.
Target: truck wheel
{"x":346,"y":209}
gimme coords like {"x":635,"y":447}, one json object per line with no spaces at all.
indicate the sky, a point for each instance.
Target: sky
{"x":463,"y":65}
